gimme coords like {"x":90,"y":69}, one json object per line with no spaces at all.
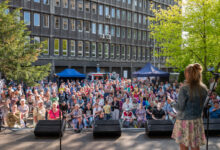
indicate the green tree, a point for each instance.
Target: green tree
{"x":17,"y":52}
{"x":188,"y":32}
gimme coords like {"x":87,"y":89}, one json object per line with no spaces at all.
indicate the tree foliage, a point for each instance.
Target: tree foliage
{"x":188,"y":32}
{"x":17,"y":52}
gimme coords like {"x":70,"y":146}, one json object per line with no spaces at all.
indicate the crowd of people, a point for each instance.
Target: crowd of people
{"x":83,"y":102}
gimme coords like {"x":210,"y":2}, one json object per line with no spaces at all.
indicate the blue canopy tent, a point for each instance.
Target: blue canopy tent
{"x":149,"y":70}
{"x":70,"y":73}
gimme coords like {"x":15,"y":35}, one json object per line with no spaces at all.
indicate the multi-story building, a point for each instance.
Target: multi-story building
{"x":82,"y":34}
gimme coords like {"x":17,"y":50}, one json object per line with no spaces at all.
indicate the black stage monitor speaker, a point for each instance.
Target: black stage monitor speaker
{"x":49,"y":128}
{"x":159,"y":127}
{"x":214,"y":125}
{"x":106,"y":128}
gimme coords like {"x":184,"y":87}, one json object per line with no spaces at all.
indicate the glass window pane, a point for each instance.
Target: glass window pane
{"x":100,"y":10}
{"x":72,"y":48}
{"x":112,"y":51}
{"x":112,"y":30}
{"x":106,"y":29}
{"x":94,"y":28}
{"x":87,"y":26}
{"x":106,"y":50}
{"x":57,"y":22}
{"x":80,"y":25}
{"x":87,"y":6}
{"x":65,"y":3}
{"x":46,"y":20}
{"x":56,"y":46}
{"x":113,"y":13}
{"x":36,"y":19}
{"x":72,"y":21}
{"x":100,"y":49}
{"x":27,"y":17}
{"x":106,"y":10}
{"x":65,"y":23}
{"x":123,"y":52}
{"x":80,"y":5}
{"x":57,"y":3}
{"x":100,"y":29}
{"x":118,"y":51}
{"x":80,"y":49}
{"x":93,"y":49}
{"x":118,"y":14}
{"x":94,"y":8}
{"x":118,"y":31}
{"x":46,"y":45}
{"x":72,"y":4}
{"x":128,"y":52}
{"x":37,"y":1}
{"x":87,"y":48}
{"x":65,"y":47}
{"x":134,"y":52}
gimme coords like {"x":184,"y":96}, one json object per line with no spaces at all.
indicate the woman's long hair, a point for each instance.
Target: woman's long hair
{"x":194,"y":79}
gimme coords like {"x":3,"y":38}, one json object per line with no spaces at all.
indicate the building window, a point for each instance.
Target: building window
{"x":100,"y":48}
{"x":37,"y":1}
{"x":139,"y":35}
{"x":145,"y":4}
{"x":139,"y":53}
{"x":135,"y":17}
{"x":80,"y":5}
{"x":123,"y":15}
{"x":100,"y":29}
{"x":65,"y":47}
{"x":124,"y":1}
{"x":112,"y":30}
{"x":106,"y":50}
{"x":128,"y":52}
{"x":80,"y":48}
{"x":87,"y":48}
{"x":143,"y":53}
{"x":140,"y":3}
{"x":94,"y":28}
{"x":93,"y":49}
{"x":87,"y":6}
{"x":113,"y":13}
{"x":87,"y":26}
{"x":100,"y":10}
{"x":118,"y":13}
{"x":80,"y":25}
{"x":36,"y":39}
{"x":94,"y":8}
{"x":57,"y":3}
{"x":135,"y":3}
{"x":144,"y":20}
{"x":72,"y":4}
{"x":72,"y":21}
{"x":118,"y":31}
{"x":46,"y":2}
{"x":46,"y":45}
{"x":134,"y":52}
{"x":123,"y":52}
{"x":27,"y":19}
{"x":129,"y":33}
{"x":56,"y":46}
{"x":36,"y":19}
{"x":106,"y":29}
{"x":72,"y":48}
{"x":140,"y":19}
{"x":57,"y":22}
{"x":46,"y":21}
{"x":144,"y":36}
{"x":129,"y":2}
{"x":65,"y":3}
{"x":112,"y":51}
{"x":123,"y":33}
{"x":118,"y":51}
{"x":65,"y":23}
{"x":135,"y":34}
{"x":129,"y":16}
{"x":106,"y":11}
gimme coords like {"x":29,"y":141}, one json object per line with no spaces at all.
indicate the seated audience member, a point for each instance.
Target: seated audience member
{"x":23,"y":108}
{"x":141,"y":115}
{"x":98,"y":112}
{"x":115,"y":109}
{"x":39,"y":112}
{"x":107,"y":110}
{"x":47,"y":105}
{"x":158,"y":113}
{"x":13,"y":118}
{"x":128,"y":118}
{"x":54,"y":113}
{"x":54,"y":98}
{"x":64,"y":108}
{"x":169,"y":111}
{"x":76,"y":115}
{"x":215,"y":111}
{"x":149,"y":110}
{"x":127,"y":105}
{"x":88,"y":118}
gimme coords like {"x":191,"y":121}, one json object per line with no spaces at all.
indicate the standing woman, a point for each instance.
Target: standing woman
{"x":188,"y":129}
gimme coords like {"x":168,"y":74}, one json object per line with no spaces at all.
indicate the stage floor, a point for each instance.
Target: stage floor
{"x":131,"y":139}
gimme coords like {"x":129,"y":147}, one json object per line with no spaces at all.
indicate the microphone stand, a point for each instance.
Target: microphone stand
{"x":60,"y":125}
{"x":208,"y":107}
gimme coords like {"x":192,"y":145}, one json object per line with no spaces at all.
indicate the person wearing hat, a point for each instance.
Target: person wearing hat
{"x":76,"y":115}
{"x":39,"y":112}
{"x":24,"y":110}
